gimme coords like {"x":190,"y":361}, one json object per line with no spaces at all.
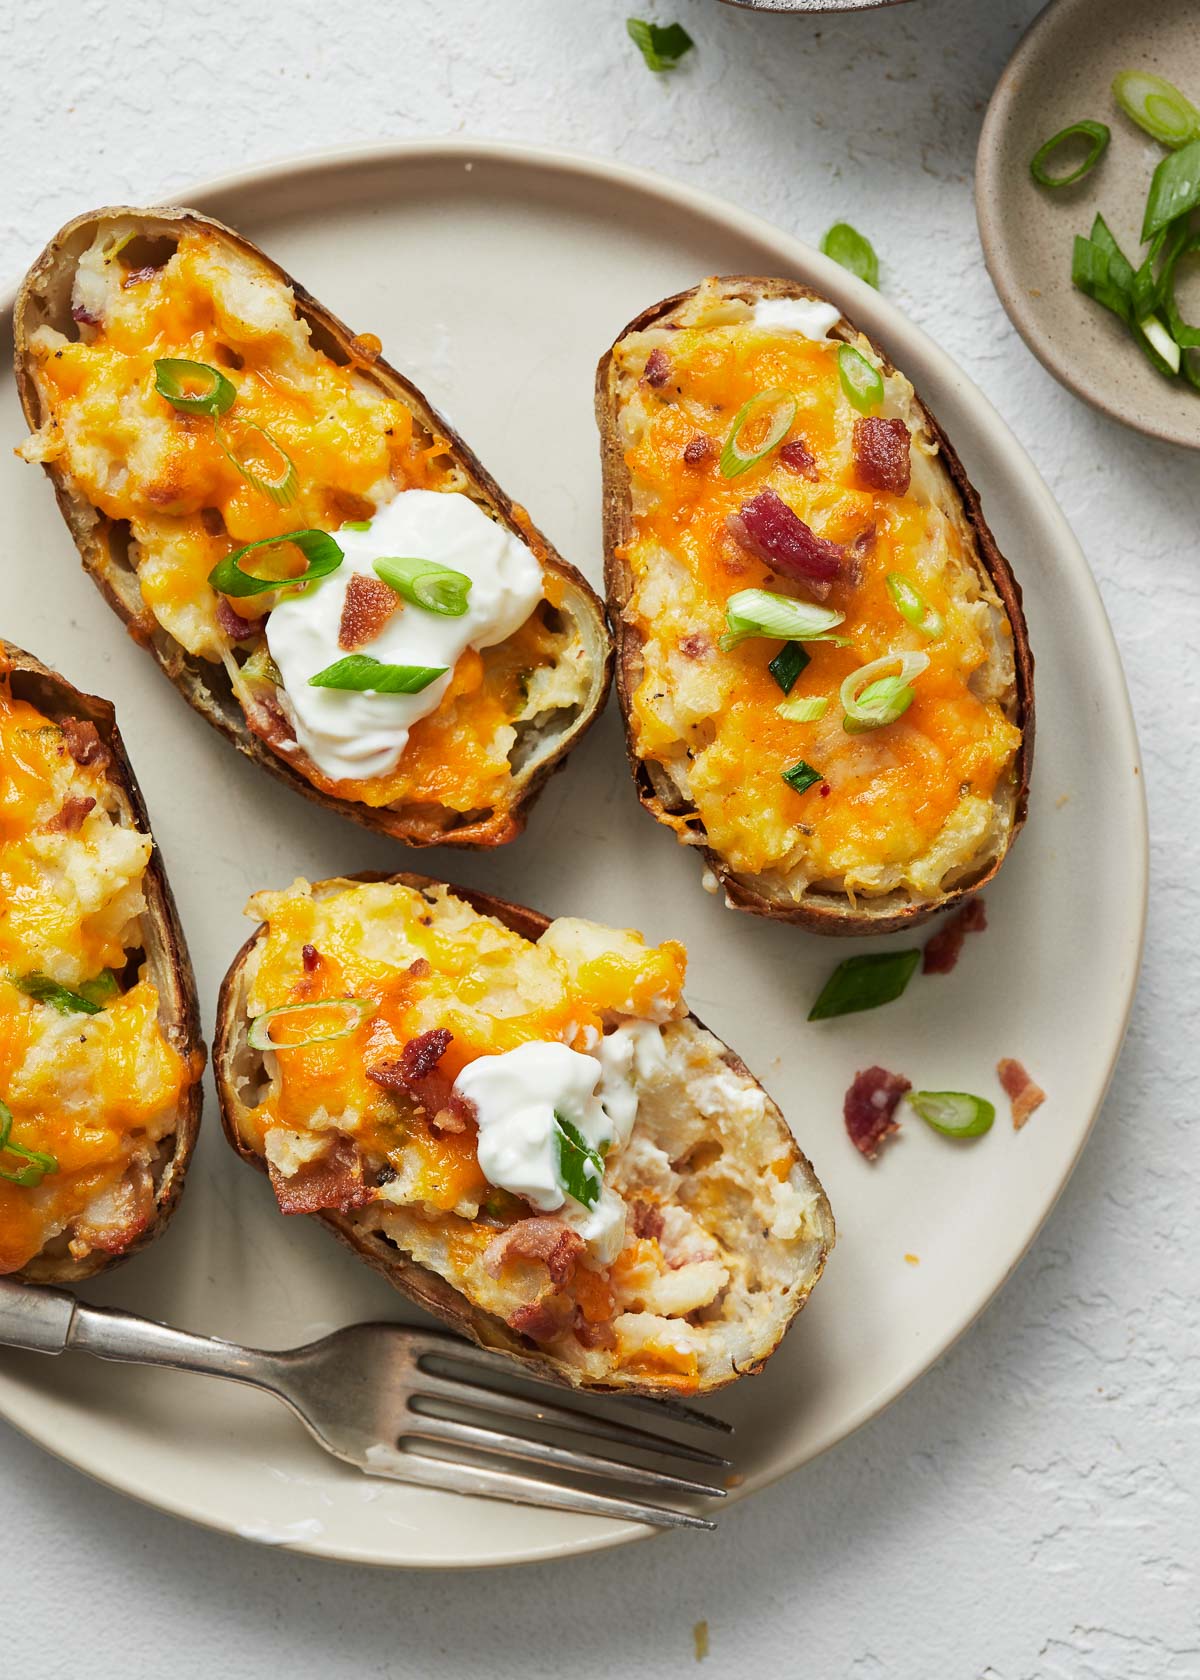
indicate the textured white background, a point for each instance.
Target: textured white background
{"x":1030,"y":1508}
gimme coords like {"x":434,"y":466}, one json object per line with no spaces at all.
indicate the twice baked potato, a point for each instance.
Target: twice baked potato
{"x":518,"y":1123}
{"x":196,"y":410}
{"x":100,"y":1049}
{"x":821,"y":656}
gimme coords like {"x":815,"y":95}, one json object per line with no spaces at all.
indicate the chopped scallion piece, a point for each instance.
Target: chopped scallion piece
{"x":913,"y":607}
{"x":580,"y":1167}
{"x":758,"y":426}
{"x":262,"y":462}
{"x":353,"y":1010}
{"x":860,"y":379}
{"x":357,"y":525}
{"x":427,"y":584}
{"x":102,"y":989}
{"x":954,"y":1113}
{"x":1160,"y":341}
{"x":194,"y":387}
{"x":805,"y":708}
{"x":364,"y":675}
{"x":42,"y":989}
{"x":760,"y":612}
{"x":37,"y":1162}
{"x":1096,"y":132}
{"x":801,"y":777}
{"x":1157,"y":106}
{"x":852,"y":251}
{"x":1174,"y":190}
{"x":662,"y":45}
{"x":864,"y":983}
{"x":870,"y":699}
{"x":321,"y":553}
{"x":788,"y":664}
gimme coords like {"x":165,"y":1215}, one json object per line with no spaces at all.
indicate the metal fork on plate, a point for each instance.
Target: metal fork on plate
{"x":385,"y":1397}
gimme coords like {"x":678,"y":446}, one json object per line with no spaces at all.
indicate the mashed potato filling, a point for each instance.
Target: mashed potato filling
{"x":909,"y":806}
{"x":93,"y":1092}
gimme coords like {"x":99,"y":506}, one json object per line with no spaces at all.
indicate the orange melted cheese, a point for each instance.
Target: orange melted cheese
{"x":167,"y":474}
{"x":886,"y":796}
{"x":94,"y":1091}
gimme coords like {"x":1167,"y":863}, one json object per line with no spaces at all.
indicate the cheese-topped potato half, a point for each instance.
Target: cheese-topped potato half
{"x":100,"y":1050}
{"x":314,"y":557}
{"x":821,"y":655}
{"x":519,"y":1124}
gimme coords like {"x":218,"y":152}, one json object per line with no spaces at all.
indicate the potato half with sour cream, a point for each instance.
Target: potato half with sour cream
{"x":519,"y":1124}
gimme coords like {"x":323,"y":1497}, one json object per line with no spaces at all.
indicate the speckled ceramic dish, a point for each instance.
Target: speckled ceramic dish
{"x":1061,"y":72}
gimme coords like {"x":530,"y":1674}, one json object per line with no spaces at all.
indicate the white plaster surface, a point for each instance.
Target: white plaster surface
{"x":1029,"y":1509}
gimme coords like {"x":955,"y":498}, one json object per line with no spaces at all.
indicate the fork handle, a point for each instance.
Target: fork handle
{"x":51,"y":1321}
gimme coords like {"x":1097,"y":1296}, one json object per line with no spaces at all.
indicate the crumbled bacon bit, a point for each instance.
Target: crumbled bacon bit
{"x":415,"y":1074}
{"x":84,"y":316}
{"x":798,"y":458}
{"x":420,"y":970}
{"x":769,"y":528}
{"x":75,"y":808}
{"x":870,"y":1108}
{"x":311,"y":958}
{"x":1020,"y":1089}
{"x":334,"y":1183}
{"x":368,"y":606}
{"x":591,"y":1335}
{"x":944,"y":949}
{"x":882,"y":453}
{"x":697,"y":449}
{"x":696,"y":645}
{"x":552,"y":1242}
{"x":422,"y":1054}
{"x":541,"y":1321}
{"x":84,"y":744}
{"x":658,"y":368}
{"x":237,"y":628}
{"x":647,"y":1220}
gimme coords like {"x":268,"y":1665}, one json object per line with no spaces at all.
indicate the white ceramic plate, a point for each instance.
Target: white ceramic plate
{"x":497,"y":276}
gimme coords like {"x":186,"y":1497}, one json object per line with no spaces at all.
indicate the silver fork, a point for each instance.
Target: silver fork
{"x":374,"y":1395}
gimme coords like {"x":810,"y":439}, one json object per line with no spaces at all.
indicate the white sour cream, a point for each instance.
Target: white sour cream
{"x":516,"y":1095}
{"x":352,"y":735}
{"x":807,"y":316}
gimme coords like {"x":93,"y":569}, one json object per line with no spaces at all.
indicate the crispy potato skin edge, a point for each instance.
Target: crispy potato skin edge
{"x":424,"y":1287}
{"x":166,"y":957}
{"x":822,"y":913}
{"x":93,"y":535}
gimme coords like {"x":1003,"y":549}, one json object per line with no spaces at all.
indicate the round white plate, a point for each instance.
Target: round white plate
{"x":497,"y":276}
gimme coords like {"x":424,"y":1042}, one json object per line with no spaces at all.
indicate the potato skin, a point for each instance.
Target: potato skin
{"x":167,"y":958}
{"x":44,"y":298}
{"x":824,"y":913}
{"x":425,"y":1287}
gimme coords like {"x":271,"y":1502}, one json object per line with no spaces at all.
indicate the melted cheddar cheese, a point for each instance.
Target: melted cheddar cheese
{"x":901,"y":807}
{"x":97,"y":1092}
{"x":170,"y":477}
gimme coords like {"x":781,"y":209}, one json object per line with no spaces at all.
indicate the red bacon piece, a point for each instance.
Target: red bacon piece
{"x":882,"y":453}
{"x":591,"y":1335}
{"x":870,"y":1108}
{"x":1020,"y":1089}
{"x":697,"y":449}
{"x":237,"y":628}
{"x":798,"y":458}
{"x":556,"y":1245}
{"x":74,"y":809}
{"x":368,"y":605}
{"x":647,"y":1220}
{"x":769,"y":528}
{"x":658,"y":368}
{"x":696,"y":645}
{"x":414,"y":1073}
{"x":541,"y":1321}
{"x":311,"y":958}
{"x":84,"y":744}
{"x":334,"y":1183}
{"x":944,"y":949}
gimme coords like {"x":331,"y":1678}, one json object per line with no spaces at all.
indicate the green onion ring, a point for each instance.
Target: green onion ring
{"x":282,"y":485}
{"x":358,"y":1010}
{"x":28,"y":1177}
{"x":1099,"y":135}
{"x":782,"y":404}
{"x":803,"y":708}
{"x":954,"y":1113}
{"x":913,"y":607}
{"x":319,"y":549}
{"x":861,"y":380}
{"x":215,"y":396}
{"x":1157,"y":106}
{"x":871,"y":699}
{"x":425,"y":583}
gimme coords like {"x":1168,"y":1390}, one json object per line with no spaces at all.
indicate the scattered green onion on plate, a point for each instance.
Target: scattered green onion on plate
{"x":865,"y":982}
{"x":852,"y":251}
{"x":321,"y":553}
{"x":1097,"y":133}
{"x":362,"y":674}
{"x":662,"y":45}
{"x":1157,"y":106}
{"x":954,"y":1113}
{"x":194,"y":387}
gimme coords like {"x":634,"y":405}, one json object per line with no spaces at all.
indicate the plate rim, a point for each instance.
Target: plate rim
{"x":1016,"y":464}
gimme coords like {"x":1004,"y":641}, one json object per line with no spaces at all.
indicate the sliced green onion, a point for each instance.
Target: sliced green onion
{"x":1184,"y":334}
{"x":1099,"y":135}
{"x":321,"y":553}
{"x":194,"y":387}
{"x":1120,"y":268}
{"x":864,"y":983}
{"x":1161,"y":341}
{"x":38,"y":1162}
{"x":861,"y":381}
{"x":42,"y":989}
{"x":913,"y":607}
{"x":777,"y":409}
{"x":870,"y":699}
{"x":954,"y":1113}
{"x":102,"y":989}
{"x":357,"y":1010}
{"x":760,"y":612}
{"x":662,"y":45}
{"x":364,"y":675}
{"x":263,"y":463}
{"x":852,"y":251}
{"x":801,"y":777}
{"x":1106,"y":279}
{"x":1157,"y":106}
{"x":357,"y":525}
{"x":788,"y":664}
{"x":1174,"y":190}
{"x":580,"y":1167}
{"x":426,"y":583}
{"x":805,"y":708}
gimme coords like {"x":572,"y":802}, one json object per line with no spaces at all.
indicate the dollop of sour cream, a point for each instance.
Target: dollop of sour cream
{"x":516,"y":1095}
{"x":349,"y":734}
{"x":808,"y":316}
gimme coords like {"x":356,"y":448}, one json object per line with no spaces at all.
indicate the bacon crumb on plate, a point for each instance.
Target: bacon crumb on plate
{"x":944,"y":949}
{"x":1022,"y":1092}
{"x":870,"y":1108}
